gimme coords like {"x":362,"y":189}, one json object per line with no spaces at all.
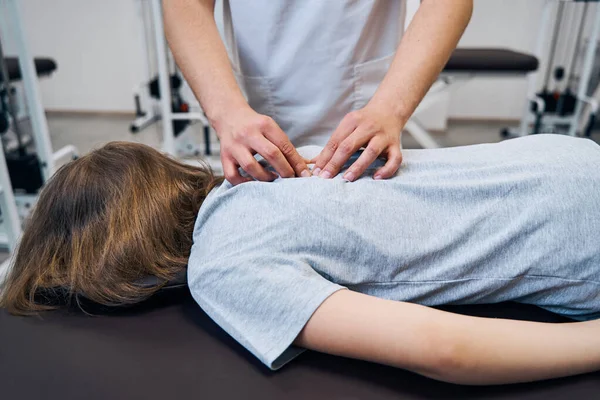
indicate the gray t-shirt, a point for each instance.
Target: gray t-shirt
{"x":518,"y":220}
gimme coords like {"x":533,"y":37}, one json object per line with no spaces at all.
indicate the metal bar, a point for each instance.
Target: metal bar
{"x":553,"y":43}
{"x":66,"y":151}
{"x":533,"y":76}
{"x":11,"y":105}
{"x":441,"y":88}
{"x":554,"y":119}
{"x":566,"y":41}
{"x":196,"y":116}
{"x":571,"y":68}
{"x":163,"y":78}
{"x":207,"y":150}
{"x":8,"y":205}
{"x":420,"y":134}
{"x":3,"y":243}
{"x":588,"y":64}
{"x":32,"y":92}
{"x":142,"y":10}
{"x":4,"y":268}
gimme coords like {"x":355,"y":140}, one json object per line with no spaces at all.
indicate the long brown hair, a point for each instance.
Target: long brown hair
{"x":115,"y":215}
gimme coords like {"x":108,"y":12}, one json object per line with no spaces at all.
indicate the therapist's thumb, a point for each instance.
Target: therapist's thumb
{"x":276,"y":136}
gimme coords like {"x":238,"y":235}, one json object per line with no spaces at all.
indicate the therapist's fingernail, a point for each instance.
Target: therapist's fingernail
{"x":349,"y":176}
{"x":325,"y":174}
{"x":305,"y":173}
{"x":377,"y":177}
{"x":316,"y":171}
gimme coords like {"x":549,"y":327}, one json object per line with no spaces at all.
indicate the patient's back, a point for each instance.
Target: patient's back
{"x":475,"y":224}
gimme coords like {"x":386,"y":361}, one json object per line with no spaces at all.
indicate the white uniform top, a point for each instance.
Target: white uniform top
{"x":307,"y":63}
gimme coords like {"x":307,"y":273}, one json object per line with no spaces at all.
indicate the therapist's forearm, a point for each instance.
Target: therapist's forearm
{"x":423,"y":52}
{"x":201,"y":55}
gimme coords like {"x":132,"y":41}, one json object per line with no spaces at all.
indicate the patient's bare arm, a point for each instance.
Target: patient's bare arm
{"x":450,"y":347}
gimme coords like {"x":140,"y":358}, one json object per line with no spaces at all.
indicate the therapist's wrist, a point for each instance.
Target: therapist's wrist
{"x":221,"y":114}
{"x":390,"y":108}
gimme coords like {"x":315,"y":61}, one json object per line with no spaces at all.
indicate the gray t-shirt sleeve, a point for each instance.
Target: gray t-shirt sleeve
{"x":262,"y":301}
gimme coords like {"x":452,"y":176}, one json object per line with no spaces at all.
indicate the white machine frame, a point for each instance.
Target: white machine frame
{"x":183,"y":145}
{"x":574,"y":121}
{"x":449,"y":81}
{"x":16,"y":207}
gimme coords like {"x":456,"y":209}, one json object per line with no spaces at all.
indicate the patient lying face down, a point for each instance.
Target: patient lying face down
{"x":115,"y":215}
{"x":271,"y":262}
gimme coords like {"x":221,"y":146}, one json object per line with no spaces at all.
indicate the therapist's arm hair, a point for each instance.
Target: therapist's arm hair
{"x":423,"y":52}
{"x":450,"y":347}
{"x":194,"y":39}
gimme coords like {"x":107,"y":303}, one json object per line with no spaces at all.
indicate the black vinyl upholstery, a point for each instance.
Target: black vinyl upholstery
{"x":167,"y":348}
{"x":43,"y":67}
{"x":485,"y":60}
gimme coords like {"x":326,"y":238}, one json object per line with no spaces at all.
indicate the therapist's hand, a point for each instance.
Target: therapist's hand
{"x":244,"y":133}
{"x":372,"y":127}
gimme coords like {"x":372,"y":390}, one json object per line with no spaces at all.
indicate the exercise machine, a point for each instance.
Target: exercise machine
{"x":542,"y":112}
{"x":24,"y":168}
{"x":160,"y":96}
{"x":567,"y":107}
{"x":466,"y":64}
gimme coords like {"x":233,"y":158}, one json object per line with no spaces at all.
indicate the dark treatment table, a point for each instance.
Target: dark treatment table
{"x":169,"y":349}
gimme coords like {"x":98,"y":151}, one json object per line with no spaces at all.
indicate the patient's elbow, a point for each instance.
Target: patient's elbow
{"x":450,"y":362}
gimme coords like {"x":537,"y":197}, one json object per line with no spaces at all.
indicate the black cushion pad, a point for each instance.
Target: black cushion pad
{"x":491,"y":61}
{"x":169,"y":349}
{"x":43,"y":66}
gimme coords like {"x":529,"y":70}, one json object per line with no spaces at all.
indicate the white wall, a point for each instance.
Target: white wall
{"x":97,"y":45}
{"x":511,"y":24}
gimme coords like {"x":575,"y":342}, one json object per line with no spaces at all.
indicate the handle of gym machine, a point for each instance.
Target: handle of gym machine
{"x":538,"y":106}
{"x":593,"y":103}
{"x":590,"y":125}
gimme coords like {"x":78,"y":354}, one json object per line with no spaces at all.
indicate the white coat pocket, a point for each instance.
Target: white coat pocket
{"x":367,"y":77}
{"x":259,"y":93}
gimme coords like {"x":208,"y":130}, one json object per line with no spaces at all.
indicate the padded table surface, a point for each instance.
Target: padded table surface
{"x":43,"y":66}
{"x":174,"y":350}
{"x":486,"y":60}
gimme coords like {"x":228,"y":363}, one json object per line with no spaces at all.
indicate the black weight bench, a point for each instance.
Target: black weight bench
{"x":463,"y":65}
{"x":490,"y":61}
{"x":43,"y":67}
